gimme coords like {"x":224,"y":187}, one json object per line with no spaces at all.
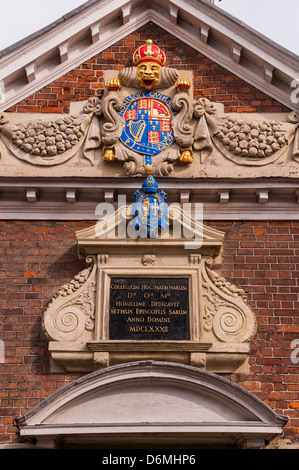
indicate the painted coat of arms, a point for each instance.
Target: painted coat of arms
{"x":142,"y":106}
{"x":148,"y":127}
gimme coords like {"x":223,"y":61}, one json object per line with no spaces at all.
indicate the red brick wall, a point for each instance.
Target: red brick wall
{"x":210,"y":80}
{"x":261,"y":257}
{"x":32,"y":265}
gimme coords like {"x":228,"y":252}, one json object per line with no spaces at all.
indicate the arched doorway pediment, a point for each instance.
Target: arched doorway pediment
{"x":148,"y":403}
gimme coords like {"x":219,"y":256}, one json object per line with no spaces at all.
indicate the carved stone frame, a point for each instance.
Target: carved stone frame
{"x":108,"y":273}
{"x":109,"y":351}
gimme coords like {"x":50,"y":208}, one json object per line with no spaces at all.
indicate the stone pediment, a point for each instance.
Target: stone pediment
{"x":140,"y":126}
{"x":46,"y":55}
{"x":182,"y":232}
{"x":151,"y":402}
{"x":248,"y":160}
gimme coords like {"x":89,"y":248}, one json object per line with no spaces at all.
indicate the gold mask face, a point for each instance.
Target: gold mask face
{"x":148,"y":74}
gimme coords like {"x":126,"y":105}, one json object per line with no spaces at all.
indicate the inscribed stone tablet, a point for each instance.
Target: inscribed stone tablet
{"x":149,"y":309}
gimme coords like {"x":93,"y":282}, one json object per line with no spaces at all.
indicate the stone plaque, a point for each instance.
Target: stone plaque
{"x":149,"y":309}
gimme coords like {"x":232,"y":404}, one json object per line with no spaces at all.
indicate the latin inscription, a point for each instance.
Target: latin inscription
{"x":149,"y":309}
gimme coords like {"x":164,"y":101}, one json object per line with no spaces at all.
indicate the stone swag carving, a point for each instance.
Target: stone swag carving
{"x":148,"y":121}
{"x":46,"y":142}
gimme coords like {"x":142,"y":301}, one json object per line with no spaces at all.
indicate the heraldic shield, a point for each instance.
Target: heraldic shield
{"x":148,"y":128}
{"x":150,"y":210}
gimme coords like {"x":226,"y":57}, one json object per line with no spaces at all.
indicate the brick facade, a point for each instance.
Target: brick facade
{"x":262,"y":257}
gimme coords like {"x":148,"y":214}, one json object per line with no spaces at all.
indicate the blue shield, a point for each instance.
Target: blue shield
{"x":148,"y":119}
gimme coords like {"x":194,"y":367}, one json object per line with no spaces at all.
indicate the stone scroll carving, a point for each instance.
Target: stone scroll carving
{"x":227,"y":316}
{"x":148,"y":121}
{"x":71,"y":313}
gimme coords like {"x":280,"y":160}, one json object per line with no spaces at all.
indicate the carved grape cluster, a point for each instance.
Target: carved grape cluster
{"x":258,"y":139}
{"x":48,"y":138}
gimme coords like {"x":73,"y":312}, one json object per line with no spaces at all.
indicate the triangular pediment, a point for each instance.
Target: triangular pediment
{"x":182,"y":229}
{"x":36,"y":61}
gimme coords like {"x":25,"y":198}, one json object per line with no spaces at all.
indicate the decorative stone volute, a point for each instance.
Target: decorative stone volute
{"x":71,"y":313}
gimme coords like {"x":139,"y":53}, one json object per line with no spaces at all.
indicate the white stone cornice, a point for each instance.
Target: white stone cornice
{"x":100,"y":24}
{"x":262,"y":195}
{"x":174,"y":12}
{"x":223,"y":196}
{"x":268,"y":72}
{"x":236,"y":51}
{"x":126,"y":11}
{"x":31,"y":195}
{"x":204,"y":33}
{"x":71,"y":195}
{"x":31,"y":72}
{"x":77,"y":199}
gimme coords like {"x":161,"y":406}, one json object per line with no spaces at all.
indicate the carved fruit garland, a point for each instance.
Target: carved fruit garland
{"x":46,"y":141}
{"x":252,"y":139}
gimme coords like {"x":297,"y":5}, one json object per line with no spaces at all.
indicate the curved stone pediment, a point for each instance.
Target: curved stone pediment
{"x":145,"y":400}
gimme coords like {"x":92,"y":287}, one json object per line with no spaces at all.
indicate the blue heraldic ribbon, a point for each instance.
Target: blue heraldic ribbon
{"x":150,"y":210}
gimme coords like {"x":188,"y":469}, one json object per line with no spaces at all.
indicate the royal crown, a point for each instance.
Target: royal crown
{"x":149,"y":52}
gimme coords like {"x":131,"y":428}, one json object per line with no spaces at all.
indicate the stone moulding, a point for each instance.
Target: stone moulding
{"x":220,"y":321}
{"x":151,"y":401}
